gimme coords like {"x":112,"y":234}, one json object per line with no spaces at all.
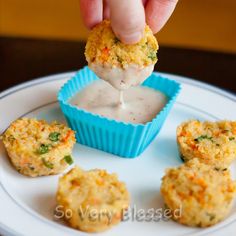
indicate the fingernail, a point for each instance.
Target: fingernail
{"x":131,"y":38}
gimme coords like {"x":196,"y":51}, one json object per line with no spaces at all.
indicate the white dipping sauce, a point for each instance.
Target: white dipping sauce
{"x":122,"y":78}
{"x":141,"y":104}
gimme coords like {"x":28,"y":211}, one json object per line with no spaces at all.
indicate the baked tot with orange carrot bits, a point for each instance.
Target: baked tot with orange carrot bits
{"x":37,"y":148}
{"x":197,"y":194}
{"x":95,"y":199}
{"x":213,"y":143}
{"x":120,"y":64}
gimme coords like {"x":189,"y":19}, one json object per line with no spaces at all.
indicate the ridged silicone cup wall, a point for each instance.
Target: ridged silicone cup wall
{"x":119,"y":138}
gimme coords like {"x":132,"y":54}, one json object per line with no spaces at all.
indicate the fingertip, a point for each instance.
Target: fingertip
{"x":127,"y":20}
{"x":131,"y":38}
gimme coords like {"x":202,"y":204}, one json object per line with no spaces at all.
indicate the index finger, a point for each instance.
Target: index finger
{"x":92,"y":12}
{"x":158,"y":12}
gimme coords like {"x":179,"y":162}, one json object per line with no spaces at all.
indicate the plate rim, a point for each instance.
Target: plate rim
{"x":188,"y":80}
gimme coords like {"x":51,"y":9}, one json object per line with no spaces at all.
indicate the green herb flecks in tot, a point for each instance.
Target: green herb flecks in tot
{"x":68,"y":159}
{"x":54,"y":136}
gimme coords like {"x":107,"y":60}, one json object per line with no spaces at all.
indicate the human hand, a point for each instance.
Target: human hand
{"x":128,"y":16}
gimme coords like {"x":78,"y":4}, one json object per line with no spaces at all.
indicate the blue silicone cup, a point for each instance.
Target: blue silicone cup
{"x":116,"y":137}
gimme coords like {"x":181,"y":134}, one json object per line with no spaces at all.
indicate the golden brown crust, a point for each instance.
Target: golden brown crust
{"x":96,"y":199}
{"x":203,"y":194}
{"x":103,"y":47}
{"x":37,"y":148}
{"x":213,"y":143}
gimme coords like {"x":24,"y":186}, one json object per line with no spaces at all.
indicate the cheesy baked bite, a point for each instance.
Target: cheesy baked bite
{"x":120,"y":64}
{"x":95,"y":198}
{"x":213,"y":143}
{"x":37,"y":148}
{"x":203,"y":195}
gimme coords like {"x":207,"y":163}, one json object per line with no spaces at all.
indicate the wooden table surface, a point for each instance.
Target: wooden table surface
{"x":25,"y":59}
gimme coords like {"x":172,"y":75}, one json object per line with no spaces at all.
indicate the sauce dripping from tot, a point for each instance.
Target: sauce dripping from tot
{"x":121,"y":100}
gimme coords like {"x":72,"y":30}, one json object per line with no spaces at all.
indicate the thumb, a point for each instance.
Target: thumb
{"x":127,"y":19}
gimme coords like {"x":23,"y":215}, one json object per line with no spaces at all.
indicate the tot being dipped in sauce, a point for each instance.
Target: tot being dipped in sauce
{"x":120,"y":64}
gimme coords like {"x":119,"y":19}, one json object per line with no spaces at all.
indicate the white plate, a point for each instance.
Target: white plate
{"x":27,"y":204}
